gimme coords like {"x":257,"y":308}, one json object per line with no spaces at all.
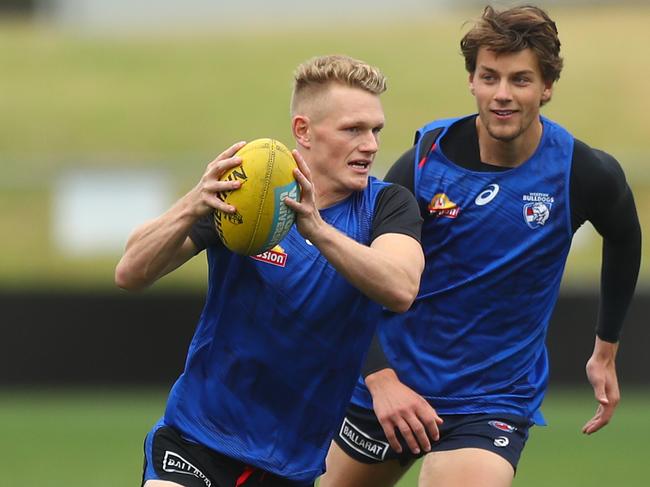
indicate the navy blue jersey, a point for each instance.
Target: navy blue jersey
{"x":278,"y":348}
{"x":495,"y":244}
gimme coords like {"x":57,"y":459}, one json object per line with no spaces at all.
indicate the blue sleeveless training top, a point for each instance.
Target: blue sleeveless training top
{"x":495,"y":244}
{"x":277,"y":350}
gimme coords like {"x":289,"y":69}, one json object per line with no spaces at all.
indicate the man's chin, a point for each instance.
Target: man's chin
{"x":358,"y":184}
{"x":504,"y":134}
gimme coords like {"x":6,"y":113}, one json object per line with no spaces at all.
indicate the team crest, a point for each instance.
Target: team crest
{"x":537,"y":209}
{"x":536,"y":214}
{"x":275,"y":256}
{"x":441,"y":205}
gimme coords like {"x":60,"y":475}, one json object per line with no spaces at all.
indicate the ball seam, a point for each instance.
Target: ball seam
{"x":270,"y":163}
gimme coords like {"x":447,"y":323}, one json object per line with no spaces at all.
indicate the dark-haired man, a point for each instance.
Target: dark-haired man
{"x":461,"y":377}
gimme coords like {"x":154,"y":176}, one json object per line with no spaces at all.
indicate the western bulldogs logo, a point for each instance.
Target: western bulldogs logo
{"x":536,"y":214}
{"x":537,"y":208}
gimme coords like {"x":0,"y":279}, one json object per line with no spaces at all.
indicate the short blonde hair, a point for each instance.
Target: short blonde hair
{"x":317,"y":73}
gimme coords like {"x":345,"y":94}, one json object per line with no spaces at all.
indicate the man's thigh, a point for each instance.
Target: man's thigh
{"x":361,"y":456}
{"x":465,"y":467}
{"x":344,"y":471}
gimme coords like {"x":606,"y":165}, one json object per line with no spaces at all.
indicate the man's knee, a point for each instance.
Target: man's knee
{"x":465,"y":467}
{"x":344,"y":471}
{"x":161,"y":483}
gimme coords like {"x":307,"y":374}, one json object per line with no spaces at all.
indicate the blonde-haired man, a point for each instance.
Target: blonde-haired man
{"x":277,"y":349}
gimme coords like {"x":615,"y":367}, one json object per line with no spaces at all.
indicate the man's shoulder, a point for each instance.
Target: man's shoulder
{"x":389,"y":190}
{"x":584,"y":153}
{"x":595,"y":172}
{"x":595,"y":166}
{"x":444,"y":122}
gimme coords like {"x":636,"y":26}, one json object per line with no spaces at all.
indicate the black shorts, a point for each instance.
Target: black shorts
{"x":169,"y":456}
{"x":362,"y":437}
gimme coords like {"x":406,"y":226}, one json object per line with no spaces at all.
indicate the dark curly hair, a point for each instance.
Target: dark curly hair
{"x":513,"y":30}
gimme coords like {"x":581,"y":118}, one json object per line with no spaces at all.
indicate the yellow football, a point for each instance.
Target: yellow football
{"x":261,"y":218}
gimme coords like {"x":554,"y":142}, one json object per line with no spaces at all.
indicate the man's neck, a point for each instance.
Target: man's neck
{"x":327,"y":198}
{"x":508,"y":153}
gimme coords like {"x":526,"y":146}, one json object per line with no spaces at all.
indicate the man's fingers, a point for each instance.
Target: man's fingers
{"x":432,"y":428}
{"x":407,"y":433}
{"x":230,"y":151}
{"x":600,"y":394}
{"x":218,"y":204}
{"x":421,"y":433}
{"x":430,"y":420}
{"x":302,"y":165}
{"x":305,"y":194}
{"x":588,"y":428}
{"x":211,"y":194}
{"x":218,"y":167}
{"x":302,"y":180}
{"x":389,"y":431}
{"x":217,"y":186}
{"x":296,"y":206}
{"x":224,"y":161}
{"x":593,"y":425}
{"x":602,"y":418}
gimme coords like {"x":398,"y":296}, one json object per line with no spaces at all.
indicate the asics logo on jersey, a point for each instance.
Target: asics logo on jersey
{"x":501,"y":441}
{"x":487,"y":195}
{"x":174,"y":463}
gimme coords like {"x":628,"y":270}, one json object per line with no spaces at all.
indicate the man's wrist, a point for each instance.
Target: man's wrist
{"x":604,"y":350}
{"x":379,"y":377}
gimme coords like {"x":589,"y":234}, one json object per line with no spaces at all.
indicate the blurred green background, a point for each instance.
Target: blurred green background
{"x":172,"y":101}
{"x":169,"y":99}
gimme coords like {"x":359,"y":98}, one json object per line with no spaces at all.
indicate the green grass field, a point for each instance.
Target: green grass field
{"x":174,"y":101}
{"x":94,"y":439}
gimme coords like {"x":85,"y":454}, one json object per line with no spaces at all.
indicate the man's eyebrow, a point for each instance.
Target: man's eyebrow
{"x":517,"y":73}
{"x":362,"y":123}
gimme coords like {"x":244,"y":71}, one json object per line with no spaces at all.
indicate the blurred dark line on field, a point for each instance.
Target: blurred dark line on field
{"x":90,"y":339}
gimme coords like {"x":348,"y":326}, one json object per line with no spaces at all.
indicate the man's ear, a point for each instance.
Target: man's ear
{"x":471,"y":83}
{"x":301,"y":129}
{"x":547,"y":93}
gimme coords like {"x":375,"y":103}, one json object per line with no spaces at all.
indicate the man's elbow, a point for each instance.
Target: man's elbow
{"x":403,"y":293}
{"x":402,"y":299}
{"x":128,"y":280}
